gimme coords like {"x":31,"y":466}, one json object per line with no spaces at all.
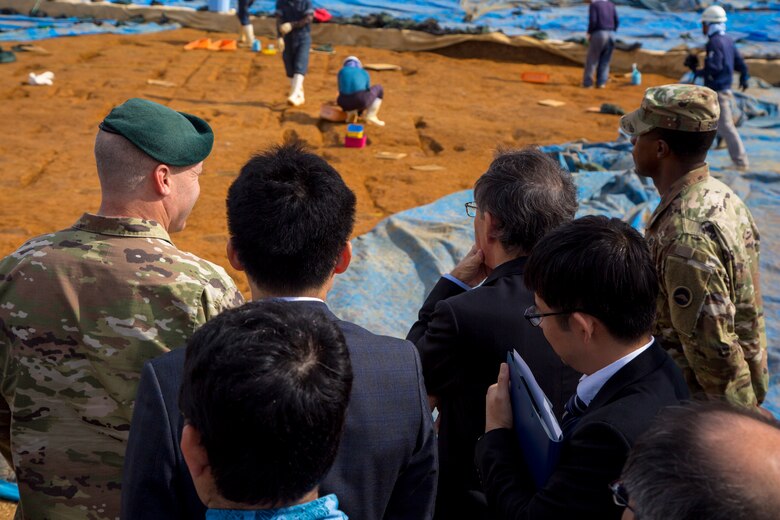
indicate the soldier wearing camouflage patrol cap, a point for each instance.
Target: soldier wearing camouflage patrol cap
{"x":83,"y":308}
{"x":706,"y":248}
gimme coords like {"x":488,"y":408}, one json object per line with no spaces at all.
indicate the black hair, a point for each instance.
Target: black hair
{"x":602,"y":266}
{"x":675,"y":472}
{"x":267,"y":386}
{"x":692,"y":146}
{"x":528,"y":193}
{"x":289,"y":215}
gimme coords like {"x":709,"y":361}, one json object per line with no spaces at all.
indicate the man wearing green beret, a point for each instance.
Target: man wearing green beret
{"x":706,"y":247}
{"x":83,"y":308}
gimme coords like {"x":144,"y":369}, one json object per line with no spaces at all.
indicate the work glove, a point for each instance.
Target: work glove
{"x":692,"y":62}
{"x":280,"y":44}
{"x":743,"y":82}
{"x":285,"y":28}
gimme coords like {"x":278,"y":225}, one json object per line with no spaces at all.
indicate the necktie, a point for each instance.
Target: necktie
{"x":573,"y":411}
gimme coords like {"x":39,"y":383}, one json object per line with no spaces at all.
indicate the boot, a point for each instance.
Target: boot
{"x":296,"y":98}
{"x":371,"y":113}
{"x":352,"y":116}
{"x":246,"y":36}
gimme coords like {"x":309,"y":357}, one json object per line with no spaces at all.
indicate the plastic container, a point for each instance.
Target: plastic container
{"x":355,"y":131}
{"x":218,"y":6}
{"x":257,"y":46}
{"x":355,"y":142}
{"x":636,"y":76}
{"x":535,"y":77}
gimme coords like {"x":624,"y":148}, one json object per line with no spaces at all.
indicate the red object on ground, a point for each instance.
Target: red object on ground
{"x":322,"y":15}
{"x":355,"y":142}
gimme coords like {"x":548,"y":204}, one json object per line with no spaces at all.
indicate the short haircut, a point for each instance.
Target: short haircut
{"x":267,"y":386}
{"x":691,"y":146}
{"x":528,"y":193}
{"x":121,"y":165}
{"x":675,"y":472}
{"x":601,"y":266}
{"x":289,"y":216}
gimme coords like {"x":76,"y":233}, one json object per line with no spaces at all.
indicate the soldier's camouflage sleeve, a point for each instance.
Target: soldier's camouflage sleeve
{"x":697,"y":311}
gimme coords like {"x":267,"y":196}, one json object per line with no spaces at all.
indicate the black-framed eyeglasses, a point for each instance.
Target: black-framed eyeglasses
{"x":620,"y":495}
{"x":471,"y":209}
{"x":535,"y":317}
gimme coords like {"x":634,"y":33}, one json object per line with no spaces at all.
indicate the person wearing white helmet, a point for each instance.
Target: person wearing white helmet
{"x":356,"y":94}
{"x":718,"y":73}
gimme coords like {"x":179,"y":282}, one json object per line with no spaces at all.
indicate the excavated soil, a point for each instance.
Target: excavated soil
{"x":441,"y":109}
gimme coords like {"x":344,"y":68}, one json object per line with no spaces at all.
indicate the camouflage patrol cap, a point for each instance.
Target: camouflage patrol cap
{"x":688,"y":108}
{"x":171,"y":137}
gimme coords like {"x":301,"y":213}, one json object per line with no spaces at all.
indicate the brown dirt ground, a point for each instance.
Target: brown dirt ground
{"x":442,"y":109}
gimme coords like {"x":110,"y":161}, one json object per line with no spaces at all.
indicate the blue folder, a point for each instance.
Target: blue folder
{"x":540,"y":440}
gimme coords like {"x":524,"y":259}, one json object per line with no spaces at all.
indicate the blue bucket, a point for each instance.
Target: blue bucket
{"x":219,"y":6}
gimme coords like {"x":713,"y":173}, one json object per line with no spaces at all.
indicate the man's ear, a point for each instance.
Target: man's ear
{"x":584,"y":325}
{"x":662,"y":149}
{"x":232,"y":256}
{"x":193,"y":451}
{"x":345,"y":257}
{"x":161,"y":180}
{"x":492,"y":224}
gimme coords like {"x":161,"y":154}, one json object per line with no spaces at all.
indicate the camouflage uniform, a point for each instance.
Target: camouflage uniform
{"x":706,"y":247}
{"x":710,"y":314}
{"x":81,"y":310}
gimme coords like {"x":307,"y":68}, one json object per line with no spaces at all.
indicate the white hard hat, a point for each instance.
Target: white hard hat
{"x":713,"y":14}
{"x":353,"y":58}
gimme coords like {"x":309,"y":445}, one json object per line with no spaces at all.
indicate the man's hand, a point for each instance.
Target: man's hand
{"x":285,"y":28}
{"x":280,"y":44}
{"x":498,"y":407}
{"x":743,"y":82}
{"x":692,"y":62}
{"x":471,"y":270}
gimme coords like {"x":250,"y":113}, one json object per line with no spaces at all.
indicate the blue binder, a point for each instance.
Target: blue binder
{"x":537,"y":428}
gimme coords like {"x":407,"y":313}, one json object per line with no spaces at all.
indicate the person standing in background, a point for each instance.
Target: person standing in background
{"x":246,"y":36}
{"x":293,"y":25}
{"x":602,"y":24}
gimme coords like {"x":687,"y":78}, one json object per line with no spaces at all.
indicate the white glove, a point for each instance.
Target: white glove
{"x":280,"y":44}
{"x":285,"y":28}
{"x":44,"y":78}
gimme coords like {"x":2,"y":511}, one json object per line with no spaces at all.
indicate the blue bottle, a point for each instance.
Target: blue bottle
{"x":256,"y":46}
{"x":636,"y":76}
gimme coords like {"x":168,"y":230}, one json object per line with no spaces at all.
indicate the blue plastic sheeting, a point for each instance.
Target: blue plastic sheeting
{"x":9,"y":491}
{"x":19,"y":28}
{"x":397,"y":264}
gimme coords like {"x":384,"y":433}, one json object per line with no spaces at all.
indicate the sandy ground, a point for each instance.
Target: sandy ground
{"x":440,"y":110}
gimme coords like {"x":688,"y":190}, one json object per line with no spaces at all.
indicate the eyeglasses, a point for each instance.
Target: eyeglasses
{"x":535,"y":318}
{"x":620,"y":495}
{"x":471,"y":209}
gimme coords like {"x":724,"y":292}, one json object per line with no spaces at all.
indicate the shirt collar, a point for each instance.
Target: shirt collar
{"x":590,"y":385}
{"x":297,"y":299}
{"x":695,"y":176}
{"x":121,"y":226}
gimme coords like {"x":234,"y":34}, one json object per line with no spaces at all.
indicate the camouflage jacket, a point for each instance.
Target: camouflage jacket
{"x":81,"y":310}
{"x":710,"y":316}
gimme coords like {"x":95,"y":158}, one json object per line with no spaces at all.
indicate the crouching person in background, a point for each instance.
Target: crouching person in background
{"x":264,"y":394}
{"x":356,"y":93}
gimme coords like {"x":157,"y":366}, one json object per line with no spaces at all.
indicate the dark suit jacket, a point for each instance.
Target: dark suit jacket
{"x":463,"y":337}
{"x":594,"y":453}
{"x":386,"y":465}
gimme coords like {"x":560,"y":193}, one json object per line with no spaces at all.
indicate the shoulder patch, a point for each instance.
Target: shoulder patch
{"x":682,"y":297}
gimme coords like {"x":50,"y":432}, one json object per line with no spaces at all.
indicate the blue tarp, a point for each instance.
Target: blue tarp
{"x":397,"y":263}
{"x":18,"y":28}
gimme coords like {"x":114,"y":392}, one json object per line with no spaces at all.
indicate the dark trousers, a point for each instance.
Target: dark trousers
{"x":296,"y":52}
{"x":243,"y":11}
{"x":599,"y":55}
{"x":360,"y":100}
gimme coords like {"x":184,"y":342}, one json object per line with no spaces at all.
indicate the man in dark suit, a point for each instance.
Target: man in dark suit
{"x":290,"y":216}
{"x":595,"y":289}
{"x":470,"y":320}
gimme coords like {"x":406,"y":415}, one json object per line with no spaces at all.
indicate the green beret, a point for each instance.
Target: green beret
{"x":171,"y":137}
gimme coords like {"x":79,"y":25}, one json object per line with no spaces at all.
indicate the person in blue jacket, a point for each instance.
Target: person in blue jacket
{"x":602,"y":24}
{"x":718,"y":74}
{"x":356,"y":93}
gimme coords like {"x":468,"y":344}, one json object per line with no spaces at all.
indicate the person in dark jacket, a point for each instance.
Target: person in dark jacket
{"x":356,"y":94}
{"x":595,"y":288}
{"x":718,"y":74}
{"x":293,"y":26}
{"x":602,"y":24}
{"x":470,"y":319}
